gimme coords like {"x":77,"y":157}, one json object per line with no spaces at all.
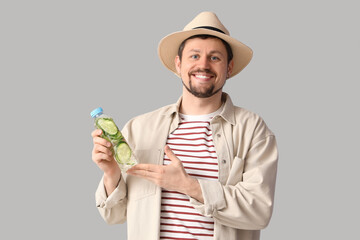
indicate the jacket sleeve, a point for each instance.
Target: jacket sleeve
{"x":112,"y":208}
{"x":247,"y":202}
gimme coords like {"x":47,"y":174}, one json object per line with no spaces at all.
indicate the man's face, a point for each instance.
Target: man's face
{"x":204,"y":67}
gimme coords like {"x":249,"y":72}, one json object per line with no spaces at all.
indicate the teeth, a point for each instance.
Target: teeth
{"x":201,"y":76}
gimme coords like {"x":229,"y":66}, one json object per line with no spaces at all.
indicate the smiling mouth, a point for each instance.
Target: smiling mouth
{"x":202,"y":76}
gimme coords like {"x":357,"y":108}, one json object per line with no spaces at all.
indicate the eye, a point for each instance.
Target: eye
{"x":214,"y":58}
{"x":194,"y":56}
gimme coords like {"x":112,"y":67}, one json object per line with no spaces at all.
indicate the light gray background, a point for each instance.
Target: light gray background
{"x":61,"y":59}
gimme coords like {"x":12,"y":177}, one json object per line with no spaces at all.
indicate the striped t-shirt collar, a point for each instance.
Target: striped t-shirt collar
{"x":227,"y":113}
{"x":206,"y":117}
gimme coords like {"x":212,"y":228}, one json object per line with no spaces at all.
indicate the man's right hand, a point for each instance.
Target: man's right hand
{"x":104,"y":159}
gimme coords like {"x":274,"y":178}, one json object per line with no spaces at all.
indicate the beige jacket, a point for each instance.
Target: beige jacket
{"x":241,"y":202}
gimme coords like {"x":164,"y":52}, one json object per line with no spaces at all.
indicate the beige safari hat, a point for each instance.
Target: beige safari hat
{"x":204,"y":23}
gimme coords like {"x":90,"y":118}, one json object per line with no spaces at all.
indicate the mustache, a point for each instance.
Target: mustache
{"x":200,"y":70}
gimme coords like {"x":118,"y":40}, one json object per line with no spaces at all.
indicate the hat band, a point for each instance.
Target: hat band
{"x":210,"y":28}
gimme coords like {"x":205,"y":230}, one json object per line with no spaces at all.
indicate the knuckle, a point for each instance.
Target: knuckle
{"x":93,"y":154}
{"x":95,"y":158}
{"x":101,"y":141}
{"x":97,"y":148}
{"x":104,"y":142}
{"x":95,"y":140}
{"x":106,"y":156}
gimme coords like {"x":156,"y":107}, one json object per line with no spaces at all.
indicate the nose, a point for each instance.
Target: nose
{"x":204,"y":63}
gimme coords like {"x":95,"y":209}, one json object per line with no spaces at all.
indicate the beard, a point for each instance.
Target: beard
{"x":201,"y":93}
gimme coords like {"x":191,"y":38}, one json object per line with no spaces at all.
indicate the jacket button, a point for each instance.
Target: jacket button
{"x":223,"y":161}
{"x":218,"y":135}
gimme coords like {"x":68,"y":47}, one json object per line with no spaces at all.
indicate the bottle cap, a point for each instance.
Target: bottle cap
{"x":96,"y":112}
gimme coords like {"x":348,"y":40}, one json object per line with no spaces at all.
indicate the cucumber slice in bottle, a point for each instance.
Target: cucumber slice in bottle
{"x":108,"y":125}
{"x":123,"y":153}
{"x":110,"y":132}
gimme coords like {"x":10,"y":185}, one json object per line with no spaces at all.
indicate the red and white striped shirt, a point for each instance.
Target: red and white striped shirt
{"x":192,"y":143}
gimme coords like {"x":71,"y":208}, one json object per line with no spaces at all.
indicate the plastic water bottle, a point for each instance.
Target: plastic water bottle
{"x":122,"y":152}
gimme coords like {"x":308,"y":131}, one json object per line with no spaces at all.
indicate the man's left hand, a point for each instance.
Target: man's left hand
{"x":171,"y":177}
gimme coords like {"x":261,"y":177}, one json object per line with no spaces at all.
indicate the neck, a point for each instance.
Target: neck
{"x":191,"y":105}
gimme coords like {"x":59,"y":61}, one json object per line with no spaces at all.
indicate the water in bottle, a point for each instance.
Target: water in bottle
{"x":121,"y":150}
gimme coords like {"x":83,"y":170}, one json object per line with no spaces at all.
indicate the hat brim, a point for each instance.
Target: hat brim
{"x":169,"y":46}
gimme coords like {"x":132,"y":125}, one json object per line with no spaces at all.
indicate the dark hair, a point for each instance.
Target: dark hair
{"x":206,"y":36}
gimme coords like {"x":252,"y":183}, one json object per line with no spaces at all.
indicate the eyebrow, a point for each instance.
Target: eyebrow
{"x":211,"y":52}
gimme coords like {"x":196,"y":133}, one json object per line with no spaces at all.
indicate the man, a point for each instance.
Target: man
{"x":207,"y":168}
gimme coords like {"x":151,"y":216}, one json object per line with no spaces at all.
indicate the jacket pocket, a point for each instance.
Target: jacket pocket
{"x":139,"y":188}
{"x":236,"y":171}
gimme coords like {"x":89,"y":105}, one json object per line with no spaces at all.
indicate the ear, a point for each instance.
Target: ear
{"x":178,"y":64}
{"x":230,"y":68}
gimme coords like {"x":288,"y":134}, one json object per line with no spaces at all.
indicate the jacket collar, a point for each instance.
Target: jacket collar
{"x":227,"y":113}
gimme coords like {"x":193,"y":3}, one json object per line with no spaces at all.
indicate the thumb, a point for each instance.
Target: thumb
{"x":171,"y":154}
